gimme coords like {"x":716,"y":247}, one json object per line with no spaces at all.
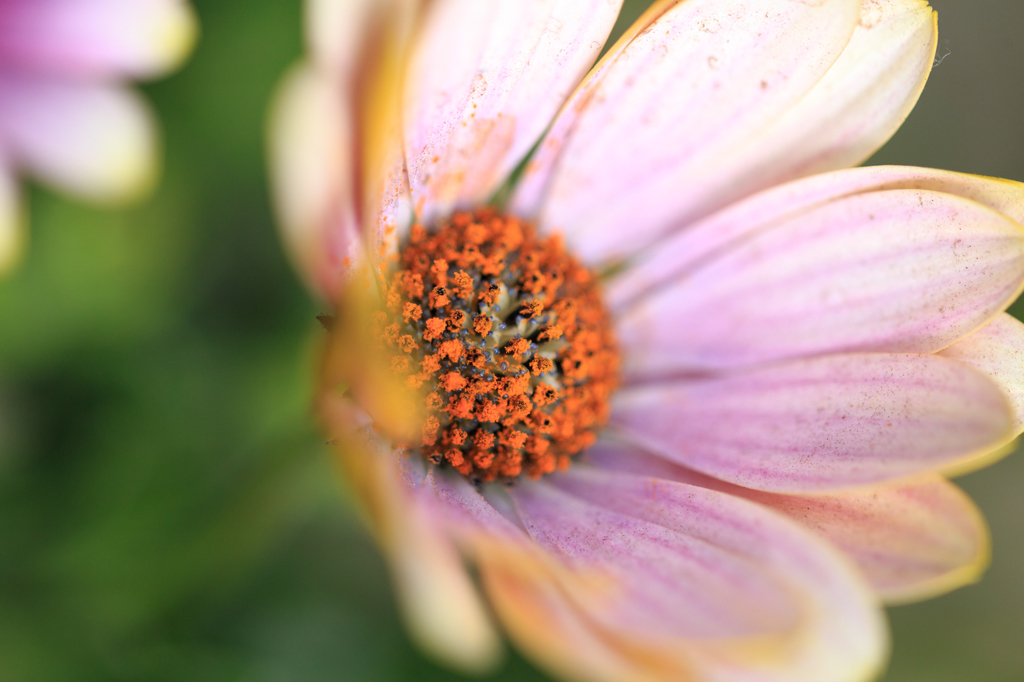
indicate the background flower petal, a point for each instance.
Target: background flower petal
{"x":818,"y":424}
{"x":310,"y":157}
{"x":912,"y":540}
{"x":485,"y":80}
{"x":704,"y":78}
{"x":97,"y":141}
{"x":11,"y":218}
{"x":891,"y":271}
{"x":138,"y":38}
{"x":701,"y":556}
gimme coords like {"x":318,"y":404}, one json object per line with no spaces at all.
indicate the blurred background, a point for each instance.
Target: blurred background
{"x":168,"y":510}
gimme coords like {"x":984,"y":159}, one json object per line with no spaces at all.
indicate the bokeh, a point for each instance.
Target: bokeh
{"x":168,"y":509}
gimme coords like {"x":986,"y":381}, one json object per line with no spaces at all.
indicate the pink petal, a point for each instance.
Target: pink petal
{"x":550,"y":630}
{"x":997,"y":349}
{"x":823,"y":423}
{"x":672,"y":582}
{"x":656,"y":135}
{"x":311,"y":177}
{"x":695,"y":577}
{"x":681,"y":253}
{"x":891,"y":271}
{"x":485,"y":79}
{"x":443,"y":608}
{"x":844,"y":118}
{"x":912,"y":540}
{"x":440,"y":604}
{"x":97,"y":141}
{"x":473,"y":515}
{"x":533,"y":183}
{"x":558,"y":607}
{"x":96,"y":37}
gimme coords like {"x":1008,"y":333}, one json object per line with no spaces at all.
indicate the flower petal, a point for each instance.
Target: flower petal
{"x":334,"y":31}
{"x":678,"y":255}
{"x":12,"y":219}
{"x":714,"y":583}
{"x":137,"y":38}
{"x":843,"y":119}
{"x":997,"y":349}
{"x":665,"y":582}
{"x":819,"y":424}
{"x":532,"y":185}
{"x":339,"y":202}
{"x":485,"y":79}
{"x":310,"y":152}
{"x":554,"y":633}
{"x":911,"y":540}
{"x":386,"y":198}
{"x":703,"y":81}
{"x":891,"y":271}
{"x":442,"y":608}
{"x":94,"y":140}
{"x":557,"y":605}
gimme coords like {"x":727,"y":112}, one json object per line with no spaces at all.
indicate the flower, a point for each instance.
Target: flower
{"x":65,"y":116}
{"x":798,"y":354}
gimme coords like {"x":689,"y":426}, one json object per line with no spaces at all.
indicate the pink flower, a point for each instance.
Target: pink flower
{"x":806,"y":351}
{"x":65,"y":116}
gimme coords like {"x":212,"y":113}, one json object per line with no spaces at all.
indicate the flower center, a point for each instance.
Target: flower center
{"x":507,"y":336}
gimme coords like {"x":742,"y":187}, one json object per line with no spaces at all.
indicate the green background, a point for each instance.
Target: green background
{"x":168,"y":510}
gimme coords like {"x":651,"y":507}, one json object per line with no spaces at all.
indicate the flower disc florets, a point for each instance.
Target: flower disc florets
{"x":506,"y":336}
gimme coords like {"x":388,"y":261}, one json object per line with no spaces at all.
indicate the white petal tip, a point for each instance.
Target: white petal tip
{"x":442,"y":609}
{"x":475,"y":655}
{"x":443,"y":612}
{"x":309,"y":167}
{"x":173,"y":36}
{"x":103,"y":148}
{"x":130,"y":165}
{"x":293,"y":142}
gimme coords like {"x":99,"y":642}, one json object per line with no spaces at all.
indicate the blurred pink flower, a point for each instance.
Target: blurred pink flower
{"x":807,"y":351}
{"x":66,"y":117}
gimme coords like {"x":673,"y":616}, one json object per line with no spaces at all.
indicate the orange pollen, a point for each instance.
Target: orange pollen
{"x":435,"y":327}
{"x":506,"y":336}
{"x":439,"y":297}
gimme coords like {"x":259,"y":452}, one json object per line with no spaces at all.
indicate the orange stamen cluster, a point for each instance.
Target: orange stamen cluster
{"x":508,"y":339}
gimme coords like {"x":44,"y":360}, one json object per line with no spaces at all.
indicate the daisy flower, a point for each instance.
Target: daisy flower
{"x":66,"y":117}
{"x":626,"y":361}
